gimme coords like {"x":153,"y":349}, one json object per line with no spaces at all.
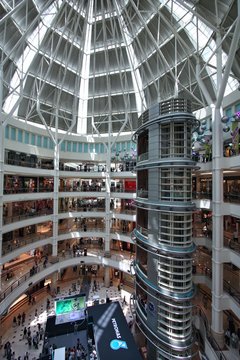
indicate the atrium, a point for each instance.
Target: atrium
{"x":119,"y":161}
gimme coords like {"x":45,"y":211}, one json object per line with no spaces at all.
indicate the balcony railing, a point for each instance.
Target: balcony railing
{"x":29,"y":214}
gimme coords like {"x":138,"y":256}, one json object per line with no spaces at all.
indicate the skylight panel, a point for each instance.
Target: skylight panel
{"x":24,"y":62}
{"x":200,"y":38}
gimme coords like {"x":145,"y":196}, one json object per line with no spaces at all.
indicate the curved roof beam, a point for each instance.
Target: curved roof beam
{"x":195,"y":13}
{"x":84,"y":86}
{"x":136,"y":78}
{"x":33,"y":40}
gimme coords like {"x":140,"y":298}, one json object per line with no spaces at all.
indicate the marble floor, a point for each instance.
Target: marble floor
{"x":15,"y":336}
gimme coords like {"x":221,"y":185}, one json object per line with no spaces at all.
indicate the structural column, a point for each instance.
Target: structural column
{"x":55,"y":196}
{"x":107,"y":251}
{"x":2,"y":135}
{"x":217,"y":227}
{"x":164,"y":249}
{"x":2,"y":130}
{"x":106,"y":276}
{"x":54,"y":280}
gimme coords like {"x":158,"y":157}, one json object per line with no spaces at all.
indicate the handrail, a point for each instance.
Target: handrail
{"x":10,"y":191}
{"x":66,"y":230}
{"x":25,"y":277}
{"x":52,"y":260}
{"x":23,"y":241}
{"x":29,"y":214}
{"x":210,"y":338}
{"x":231,"y":290}
{"x":82,"y":209}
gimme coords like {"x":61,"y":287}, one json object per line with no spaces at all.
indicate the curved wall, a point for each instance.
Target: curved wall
{"x":164,"y":229}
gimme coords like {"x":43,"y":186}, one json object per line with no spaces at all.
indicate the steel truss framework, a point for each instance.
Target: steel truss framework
{"x":107,"y":61}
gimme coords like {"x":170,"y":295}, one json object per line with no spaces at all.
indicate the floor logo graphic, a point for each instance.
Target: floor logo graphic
{"x":118,"y":344}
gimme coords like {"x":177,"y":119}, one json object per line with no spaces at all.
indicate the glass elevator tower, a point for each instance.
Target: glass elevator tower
{"x":163,"y":233}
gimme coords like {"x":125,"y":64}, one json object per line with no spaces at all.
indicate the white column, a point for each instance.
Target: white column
{"x":108,"y":195}
{"x":9,"y":209}
{"x":106,"y":276}
{"x":217,"y":200}
{"x":217,"y":233}
{"x":54,"y":280}
{"x":2,"y":135}
{"x":2,"y":130}
{"x":55,"y":195}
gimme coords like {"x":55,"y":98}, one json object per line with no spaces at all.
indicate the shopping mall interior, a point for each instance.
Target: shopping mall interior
{"x":120,"y":173}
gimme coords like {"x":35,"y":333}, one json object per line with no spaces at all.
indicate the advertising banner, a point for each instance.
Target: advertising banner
{"x":113,"y":338}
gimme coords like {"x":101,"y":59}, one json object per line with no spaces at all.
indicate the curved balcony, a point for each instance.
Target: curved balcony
{"x":27,"y":190}
{"x":161,"y":205}
{"x":20,"y":284}
{"x":82,"y":188}
{"x":203,"y":268}
{"x":180,"y":247}
{"x":22,"y":242}
{"x":79,"y":229}
{"x":228,"y":197}
{"x":161,"y":341}
{"x":82,"y":210}
{"x":31,"y":213}
{"x":218,"y":352}
{"x":181,"y":296}
{"x":164,"y":303}
{"x":178,"y":325}
{"x":28,"y":164}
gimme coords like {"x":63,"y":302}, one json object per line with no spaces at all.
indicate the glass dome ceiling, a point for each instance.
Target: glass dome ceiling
{"x":95,"y":65}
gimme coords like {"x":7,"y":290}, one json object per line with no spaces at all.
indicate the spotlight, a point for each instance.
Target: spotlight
{"x":226,"y":129}
{"x":224,"y":119}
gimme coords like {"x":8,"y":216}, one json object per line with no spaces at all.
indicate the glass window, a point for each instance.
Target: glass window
{"x":51,"y":144}
{"x":45,"y":142}
{"x":229,"y":112}
{"x":7,"y":132}
{"x":62,"y":147}
{"x":39,"y":140}
{"x":33,"y":139}
{"x":69,"y":146}
{"x":86,"y":147}
{"x":13,"y":133}
{"x":237,"y":107}
{"x":97,"y":148}
{"x":91,"y":148}
{"x":102,"y":149}
{"x":74,"y":146}
{"x":26,"y":137}
{"x":20,"y":135}
{"x":80,"y":147}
